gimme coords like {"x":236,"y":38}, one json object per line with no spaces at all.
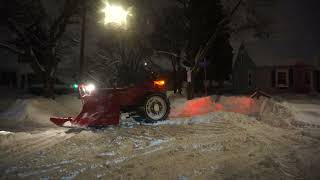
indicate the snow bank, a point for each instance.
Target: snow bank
{"x":275,"y":113}
{"x":72,"y":103}
{"x":209,"y":109}
{"x":36,"y":112}
{"x":212,"y":117}
{"x":16,"y":112}
{"x":5,"y":133}
{"x":204,"y":105}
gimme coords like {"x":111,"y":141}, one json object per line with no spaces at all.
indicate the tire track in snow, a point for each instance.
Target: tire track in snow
{"x":25,"y":143}
{"x":36,"y":145}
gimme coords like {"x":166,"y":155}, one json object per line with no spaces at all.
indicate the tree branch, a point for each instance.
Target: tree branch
{"x":59,"y":26}
{"x":217,"y":30}
{"x":11,"y":48}
{"x":14,"y":26}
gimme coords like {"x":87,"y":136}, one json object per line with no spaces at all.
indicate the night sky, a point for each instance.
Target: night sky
{"x":295,"y":33}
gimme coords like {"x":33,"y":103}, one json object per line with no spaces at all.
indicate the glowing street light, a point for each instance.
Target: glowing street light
{"x":114,"y":14}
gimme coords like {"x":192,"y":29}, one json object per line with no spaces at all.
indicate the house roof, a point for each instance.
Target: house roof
{"x":263,"y":53}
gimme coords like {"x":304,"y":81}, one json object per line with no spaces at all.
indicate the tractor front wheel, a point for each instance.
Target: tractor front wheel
{"x":156,"y":107}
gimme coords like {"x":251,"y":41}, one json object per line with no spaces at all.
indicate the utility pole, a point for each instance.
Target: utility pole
{"x":82,"y":43}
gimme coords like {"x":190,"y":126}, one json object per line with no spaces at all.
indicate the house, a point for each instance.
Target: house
{"x":273,"y":75}
{"x":13,"y":72}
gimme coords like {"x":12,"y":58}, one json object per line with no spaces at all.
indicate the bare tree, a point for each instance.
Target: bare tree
{"x":253,"y":15}
{"x":122,"y":53}
{"x":194,"y":28}
{"x":120,"y":60}
{"x":193,"y":43}
{"x":38,"y":36}
{"x":168,"y":40}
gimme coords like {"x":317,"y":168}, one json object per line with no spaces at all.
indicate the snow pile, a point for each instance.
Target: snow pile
{"x":36,"y":112}
{"x":73,"y":103}
{"x":200,"y":119}
{"x":275,"y":113}
{"x":176,"y":101}
{"x":5,"y":133}
{"x":16,"y":112}
{"x":204,"y":105}
{"x":195,"y":107}
{"x":209,"y":109}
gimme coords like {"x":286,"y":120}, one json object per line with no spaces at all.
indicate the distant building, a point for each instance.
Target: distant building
{"x":14,"y":73}
{"x":274,"y":75}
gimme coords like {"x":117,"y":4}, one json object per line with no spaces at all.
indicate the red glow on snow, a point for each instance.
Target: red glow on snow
{"x":196,"y":107}
{"x":243,"y":105}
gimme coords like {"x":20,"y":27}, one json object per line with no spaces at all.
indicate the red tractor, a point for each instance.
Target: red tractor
{"x":102,"y":107}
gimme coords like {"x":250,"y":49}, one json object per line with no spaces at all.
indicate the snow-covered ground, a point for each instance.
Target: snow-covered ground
{"x":34,"y":112}
{"x":213,"y":145}
{"x":306,"y":110}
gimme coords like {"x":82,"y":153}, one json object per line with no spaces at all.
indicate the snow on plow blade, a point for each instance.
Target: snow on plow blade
{"x":60,"y":121}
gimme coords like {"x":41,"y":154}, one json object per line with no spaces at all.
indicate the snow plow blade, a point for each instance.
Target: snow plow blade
{"x":60,"y":121}
{"x":98,"y":110}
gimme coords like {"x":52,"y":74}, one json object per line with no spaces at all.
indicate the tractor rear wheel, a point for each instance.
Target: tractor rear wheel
{"x":156,"y":107}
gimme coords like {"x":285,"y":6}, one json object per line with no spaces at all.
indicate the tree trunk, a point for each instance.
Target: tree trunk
{"x":190,"y":84}
{"x":179,"y":77}
{"x":49,"y":74}
{"x":173,"y":62}
{"x":49,"y":82}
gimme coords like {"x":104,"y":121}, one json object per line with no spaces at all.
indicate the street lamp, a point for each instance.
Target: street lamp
{"x":113,"y":14}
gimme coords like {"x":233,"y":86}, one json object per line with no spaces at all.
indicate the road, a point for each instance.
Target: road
{"x":224,"y":146}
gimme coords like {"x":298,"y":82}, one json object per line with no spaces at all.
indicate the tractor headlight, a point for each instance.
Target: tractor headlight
{"x":86,"y":89}
{"x":89,"y":88}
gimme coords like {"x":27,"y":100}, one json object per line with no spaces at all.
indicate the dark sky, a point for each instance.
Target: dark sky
{"x":295,"y":32}
{"x":300,"y":20}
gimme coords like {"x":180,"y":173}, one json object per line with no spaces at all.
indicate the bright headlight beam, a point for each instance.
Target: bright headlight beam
{"x":90,"y":87}
{"x":114,"y":14}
